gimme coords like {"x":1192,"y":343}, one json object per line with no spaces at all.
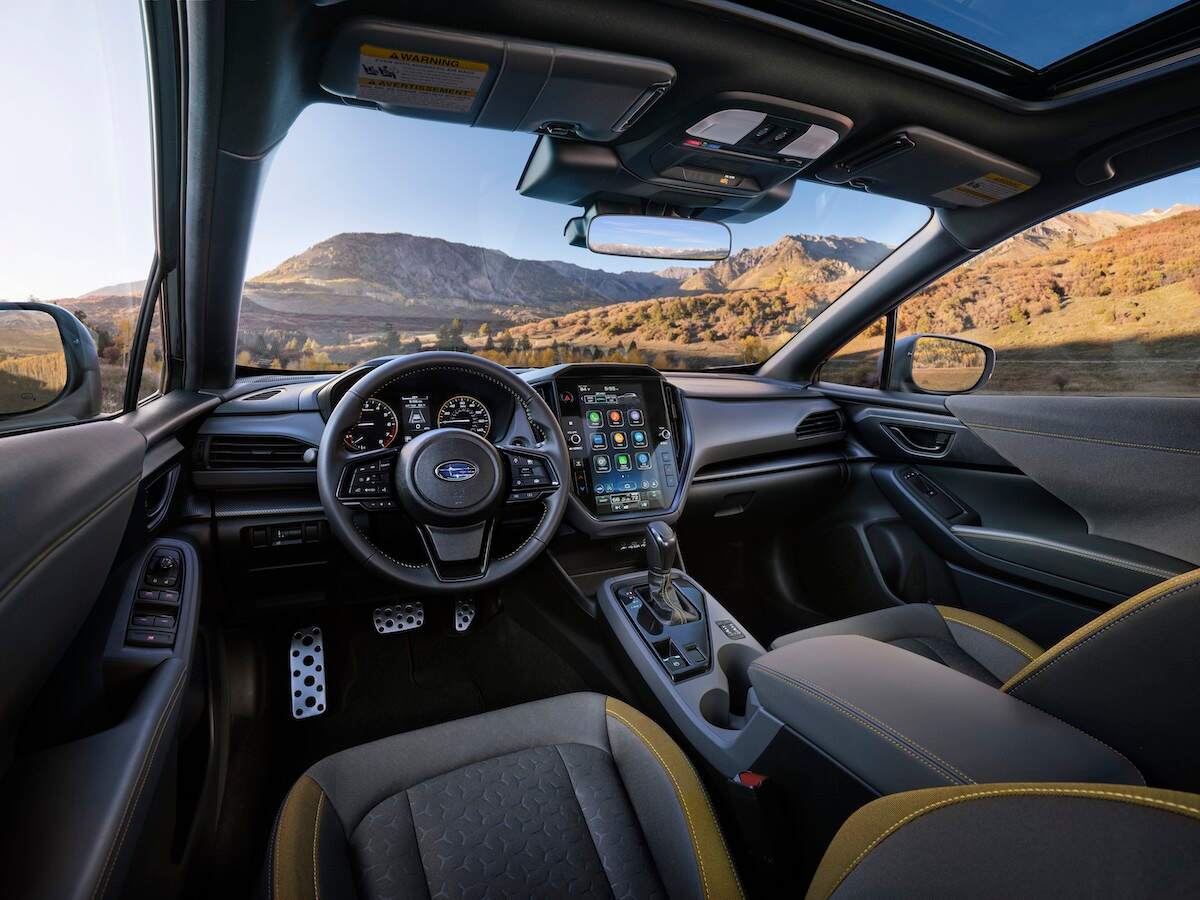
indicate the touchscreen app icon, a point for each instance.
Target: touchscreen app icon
{"x":623,"y":464}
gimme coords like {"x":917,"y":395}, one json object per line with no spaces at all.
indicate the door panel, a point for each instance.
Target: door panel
{"x":1130,"y":466}
{"x":67,"y":496}
{"x":1022,"y":509}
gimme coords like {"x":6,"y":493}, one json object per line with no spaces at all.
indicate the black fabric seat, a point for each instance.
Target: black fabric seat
{"x":576,"y":796}
{"x":966,"y":642}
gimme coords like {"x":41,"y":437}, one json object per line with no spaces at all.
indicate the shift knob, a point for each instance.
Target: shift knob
{"x":661,"y":548}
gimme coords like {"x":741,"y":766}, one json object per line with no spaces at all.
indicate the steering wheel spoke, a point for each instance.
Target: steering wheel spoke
{"x":367,"y":481}
{"x":459,"y":552}
{"x":531,"y":474}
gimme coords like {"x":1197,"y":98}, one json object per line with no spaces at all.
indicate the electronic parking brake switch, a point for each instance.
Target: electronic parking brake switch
{"x":156,"y":601}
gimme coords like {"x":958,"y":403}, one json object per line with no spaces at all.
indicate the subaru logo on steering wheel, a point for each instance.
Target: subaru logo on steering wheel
{"x":456,"y":470}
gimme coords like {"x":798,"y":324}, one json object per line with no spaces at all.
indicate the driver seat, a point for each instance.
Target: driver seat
{"x":575,"y":795}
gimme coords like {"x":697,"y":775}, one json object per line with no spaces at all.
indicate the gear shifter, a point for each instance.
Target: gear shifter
{"x":661,"y":550}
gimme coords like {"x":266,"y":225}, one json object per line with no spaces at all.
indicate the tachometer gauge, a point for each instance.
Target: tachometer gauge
{"x":465,"y":412}
{"x":377,"y":427}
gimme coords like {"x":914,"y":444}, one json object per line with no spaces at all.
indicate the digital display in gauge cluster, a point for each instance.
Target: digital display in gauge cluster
{"x":622,"y":459}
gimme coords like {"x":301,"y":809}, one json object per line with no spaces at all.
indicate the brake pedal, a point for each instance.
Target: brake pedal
{"x":308,"y":673}
{"x":464,"y":614}
{"x":401,"y":617}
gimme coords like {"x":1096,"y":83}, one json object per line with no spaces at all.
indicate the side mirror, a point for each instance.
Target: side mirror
{"x":49,"y":370}
{"x":935,"y":364}
{"x":651,"y":237}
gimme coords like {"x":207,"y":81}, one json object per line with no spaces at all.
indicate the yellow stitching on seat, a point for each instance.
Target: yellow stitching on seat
{"x":279,"y":835}
{"x":316,"y":835}
{"x":678,"y":791}
{"x":865,"y":719}
{"x":1099,"y":625}
{"x":1059,"y":792}
{"x":988,"y":633}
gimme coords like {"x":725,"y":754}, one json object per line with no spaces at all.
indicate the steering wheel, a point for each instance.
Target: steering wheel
{"x":451,"y":483}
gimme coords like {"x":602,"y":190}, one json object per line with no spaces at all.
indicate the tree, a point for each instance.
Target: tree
{"x":506,"y":342}
{"x":485,"y":331}
{"x":391,"y":339}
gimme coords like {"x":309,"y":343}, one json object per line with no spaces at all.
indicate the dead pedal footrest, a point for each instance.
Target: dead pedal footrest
{"x":307,"y":661}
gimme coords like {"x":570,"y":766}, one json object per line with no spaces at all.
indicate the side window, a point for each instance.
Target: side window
{"x":77,"y":220}
{"x":860,"y":362}
{"x":1103,"y":300}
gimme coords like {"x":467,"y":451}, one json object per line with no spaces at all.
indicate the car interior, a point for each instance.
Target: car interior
{"x":898,"y":597}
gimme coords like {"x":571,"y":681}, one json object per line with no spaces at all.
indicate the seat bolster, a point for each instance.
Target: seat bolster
{"x":1003,"y":651}
{"x":309,"y":856}
{"x":1018,"y":839}
{"x":672,"y":807}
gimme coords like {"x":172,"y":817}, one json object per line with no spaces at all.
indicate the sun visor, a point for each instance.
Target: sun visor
{"x":930,"y":168}
{"x":490,"y":81}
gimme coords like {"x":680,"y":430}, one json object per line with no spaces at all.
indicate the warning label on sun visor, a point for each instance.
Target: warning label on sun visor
{"x":422,"y":80}
{"x":981,"y":191}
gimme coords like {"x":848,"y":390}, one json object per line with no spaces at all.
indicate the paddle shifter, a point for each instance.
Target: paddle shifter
{"x":661,"y":550}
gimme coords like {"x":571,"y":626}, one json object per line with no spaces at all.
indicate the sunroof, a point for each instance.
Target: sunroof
{"x":1037,"y":33}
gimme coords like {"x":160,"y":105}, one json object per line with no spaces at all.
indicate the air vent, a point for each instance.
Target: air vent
{"x":262,"y":395}
{"x":817,"y":424}
{"x":251,"y":452}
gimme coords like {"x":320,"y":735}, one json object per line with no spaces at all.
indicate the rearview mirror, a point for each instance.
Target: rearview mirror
{"x":658,"y":237}
{"x":49,"y":370}
{"x":935,"y":364}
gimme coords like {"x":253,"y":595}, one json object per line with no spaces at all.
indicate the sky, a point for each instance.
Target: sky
{"x":75,"y":180}
{"x":1035,"y":32}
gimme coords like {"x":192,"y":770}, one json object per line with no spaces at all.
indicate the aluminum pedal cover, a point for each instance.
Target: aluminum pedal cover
{"x":401,"y":617}
{"x":308,"y":673}
{"x":464,"y":614}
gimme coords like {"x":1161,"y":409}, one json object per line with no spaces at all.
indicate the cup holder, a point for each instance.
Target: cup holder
{"x":727,"y":708}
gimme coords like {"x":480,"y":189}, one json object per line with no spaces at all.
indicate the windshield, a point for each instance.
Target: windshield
{"x":379,"y":235}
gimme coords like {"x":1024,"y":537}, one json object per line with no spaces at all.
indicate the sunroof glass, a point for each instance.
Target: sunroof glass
{"x":1035,"y":32}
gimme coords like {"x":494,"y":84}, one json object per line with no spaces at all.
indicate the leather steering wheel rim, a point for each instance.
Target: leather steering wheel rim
{"x":334,"y":457}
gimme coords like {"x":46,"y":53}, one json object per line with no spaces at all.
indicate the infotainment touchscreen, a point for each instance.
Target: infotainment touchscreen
{"x":618,"y":432}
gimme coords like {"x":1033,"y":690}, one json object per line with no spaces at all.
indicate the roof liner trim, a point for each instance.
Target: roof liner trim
{"x":947,"y":79}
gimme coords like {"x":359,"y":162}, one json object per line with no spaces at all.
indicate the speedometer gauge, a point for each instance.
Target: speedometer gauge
{"x":467,"y":413}
{"x":377,"y":427}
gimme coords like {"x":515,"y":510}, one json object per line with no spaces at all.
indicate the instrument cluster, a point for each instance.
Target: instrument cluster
{"x":400,"y":412}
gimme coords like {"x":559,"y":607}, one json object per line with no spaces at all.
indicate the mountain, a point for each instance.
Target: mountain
{"x":124,"y":289}
{"x":1073,"y":228}
{"x":793,"y":259}
{"x":404,"y":276}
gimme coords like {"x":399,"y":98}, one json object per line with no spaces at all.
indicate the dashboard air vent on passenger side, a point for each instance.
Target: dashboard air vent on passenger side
{"x":262,"y":395}
{"x":253,"y":452}
{"x":820,"y":423}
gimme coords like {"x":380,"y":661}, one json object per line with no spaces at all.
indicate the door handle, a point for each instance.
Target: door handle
{"x":925,"y":441}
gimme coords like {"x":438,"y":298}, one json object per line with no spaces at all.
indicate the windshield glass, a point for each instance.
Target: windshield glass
{"x":379,"y":235}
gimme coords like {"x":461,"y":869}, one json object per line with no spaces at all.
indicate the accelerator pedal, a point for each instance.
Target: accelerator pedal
{"x":307,"y":662}
{"x":401,"y":617}
{"x":464,"y":614}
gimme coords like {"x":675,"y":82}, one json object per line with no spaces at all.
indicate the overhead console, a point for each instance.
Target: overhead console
{"x":492,"y":82}
{"x":732,"y":158}
{"x":929,"y":168}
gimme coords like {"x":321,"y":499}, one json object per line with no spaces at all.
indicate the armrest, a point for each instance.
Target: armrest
{"x":899,"y":722}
